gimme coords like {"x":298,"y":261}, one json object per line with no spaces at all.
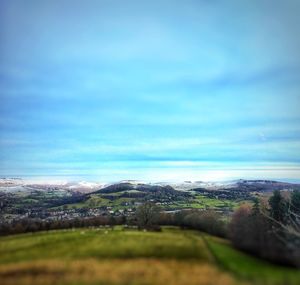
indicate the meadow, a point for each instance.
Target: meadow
{"x":127,"y":256}
{"x":197,"y":202}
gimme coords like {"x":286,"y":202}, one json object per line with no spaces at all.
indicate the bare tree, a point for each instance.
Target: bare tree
{"x":147,"y":216}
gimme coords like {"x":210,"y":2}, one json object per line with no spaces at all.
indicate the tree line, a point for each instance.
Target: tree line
{"x":36,"y":225}
{"x":269,"y":229}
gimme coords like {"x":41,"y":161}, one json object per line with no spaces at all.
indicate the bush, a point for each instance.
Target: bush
{"x":207,"y":221}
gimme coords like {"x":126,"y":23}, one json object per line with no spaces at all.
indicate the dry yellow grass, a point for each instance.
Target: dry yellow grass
{"x":117,"y":271}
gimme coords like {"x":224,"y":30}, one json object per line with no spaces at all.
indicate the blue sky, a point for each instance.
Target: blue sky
{"x":153,"y":90}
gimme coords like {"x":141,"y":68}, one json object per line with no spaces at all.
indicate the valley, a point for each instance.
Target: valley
{"x":20,"y":200}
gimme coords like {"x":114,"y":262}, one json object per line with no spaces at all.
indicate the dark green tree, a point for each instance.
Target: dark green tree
{"x":278,"y":206}
{"x":295,"y":202}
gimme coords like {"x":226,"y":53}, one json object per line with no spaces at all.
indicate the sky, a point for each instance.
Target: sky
{"x":150,"y":90}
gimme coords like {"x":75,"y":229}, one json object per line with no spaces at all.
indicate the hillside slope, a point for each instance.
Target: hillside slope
{"x":105,"y":256}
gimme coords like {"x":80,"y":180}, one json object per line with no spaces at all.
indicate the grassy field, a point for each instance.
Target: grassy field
{"x":197,"y":202}
{"x":96,"y":201}
{"x":105,"y":256}
{"x":250,"y":268}
{"x":203,"y":202}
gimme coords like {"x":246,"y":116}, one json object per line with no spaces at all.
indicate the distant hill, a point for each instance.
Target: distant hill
{"x":241,"y":184}
{"x":120,"y":187}
{"x":17,"y":184}
{"x":265,"y":185}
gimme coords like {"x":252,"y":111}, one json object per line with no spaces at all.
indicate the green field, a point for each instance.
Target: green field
{"x":118,"y":256}
{"x":203,"y":202}
{"x":197,"y":202}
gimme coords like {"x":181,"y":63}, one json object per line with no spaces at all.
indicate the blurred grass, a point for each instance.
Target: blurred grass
{"x":102,"y":243}
{"x":115,"y":271}
{"x":249,"y":267}
{"x":105,"y":256}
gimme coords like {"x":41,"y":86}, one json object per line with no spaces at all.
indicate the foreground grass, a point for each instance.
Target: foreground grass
{"x":115,"y":271}
{"x":104,"y":256}
{"x":102,"y":243}
{"x":250,"y":268}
